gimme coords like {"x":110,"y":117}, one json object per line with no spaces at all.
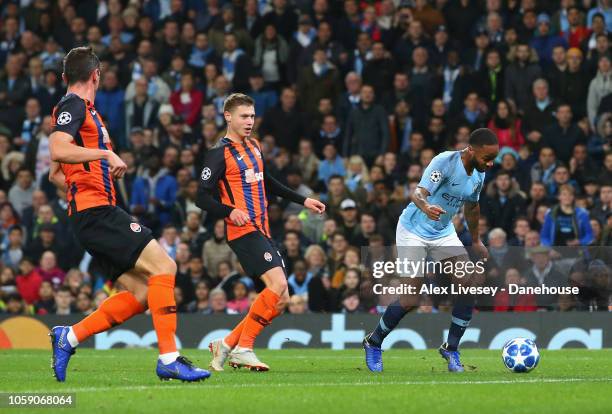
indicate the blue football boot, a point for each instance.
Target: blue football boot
{"x":62,"y":351}
{"x":373,"y":356}
{"x":454,"y":361}
{"x":181,"y":369}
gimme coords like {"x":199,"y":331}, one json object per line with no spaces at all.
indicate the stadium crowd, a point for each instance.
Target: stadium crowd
{"x":353,"y":100}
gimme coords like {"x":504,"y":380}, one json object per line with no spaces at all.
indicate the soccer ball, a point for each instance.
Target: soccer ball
{"x":520,"y":355}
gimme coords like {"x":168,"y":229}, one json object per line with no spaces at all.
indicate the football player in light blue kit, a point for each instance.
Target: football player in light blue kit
{"x":451,"y":181}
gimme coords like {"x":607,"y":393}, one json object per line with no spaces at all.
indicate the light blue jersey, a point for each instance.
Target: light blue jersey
{"x":449,"y":187}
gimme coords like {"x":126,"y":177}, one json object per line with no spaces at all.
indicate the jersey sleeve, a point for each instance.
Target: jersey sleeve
{"x":212,"y":172}
{"x":69,"y":116}
{"x":435,"y":173}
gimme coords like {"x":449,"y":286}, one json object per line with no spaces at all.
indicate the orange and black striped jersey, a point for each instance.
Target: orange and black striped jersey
{"x":89,"y":184}
{"x":235,"y":171}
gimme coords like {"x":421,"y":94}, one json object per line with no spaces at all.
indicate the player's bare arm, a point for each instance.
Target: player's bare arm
{"x":63,"y":151}
{"x":419,"y":198}
{"x":56,"y":176}
{"x":471,"y":211}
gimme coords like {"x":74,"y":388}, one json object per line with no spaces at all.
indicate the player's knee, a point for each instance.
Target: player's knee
{"x":283,"y":301}
{"x":165,"y":266}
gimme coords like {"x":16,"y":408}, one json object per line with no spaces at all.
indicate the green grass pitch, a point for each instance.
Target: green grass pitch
{"x":321,"y":381}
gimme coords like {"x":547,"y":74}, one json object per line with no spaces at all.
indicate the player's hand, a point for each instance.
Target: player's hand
{"x":479,"y":249}
{"x":117,"y":166}
{"x":434,"y":212}
{"x":314,"y":205}
{"x":239,"y":217}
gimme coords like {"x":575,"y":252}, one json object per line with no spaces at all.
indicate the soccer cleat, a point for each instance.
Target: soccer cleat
{"x":454,"y":362}
{"x":181,"y":369}
{"x":220,"y":352}
{"x":246,"y":358}
{"x":62,"y":351}
{"x":373,"y":356}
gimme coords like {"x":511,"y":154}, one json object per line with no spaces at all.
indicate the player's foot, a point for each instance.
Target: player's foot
{"x":452,"y":357}
{"x":62,"y":351}
{"x":220,"y":352}
{"x":373,"y":355}
{"x":246,"y":358}
{"x":181,"y":369}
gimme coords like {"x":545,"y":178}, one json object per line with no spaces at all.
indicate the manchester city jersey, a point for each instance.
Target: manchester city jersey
{"x":449,"y":187}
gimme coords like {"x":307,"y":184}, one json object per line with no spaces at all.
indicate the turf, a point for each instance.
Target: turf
{"x":322,"y":382}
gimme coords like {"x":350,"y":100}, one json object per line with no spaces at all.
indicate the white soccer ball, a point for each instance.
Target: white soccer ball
{"x":520,"y":355}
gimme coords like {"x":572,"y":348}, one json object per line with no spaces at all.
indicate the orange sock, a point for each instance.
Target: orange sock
{"x":113,"y":311}
{"x":163,"y":311}
{"x":232,"y":339}
{"x":262,"y":311}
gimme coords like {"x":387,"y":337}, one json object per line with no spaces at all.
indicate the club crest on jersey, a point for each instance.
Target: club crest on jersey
{"x":268,"y":256}
{"x":206,"y":173}
{"x":435,"y":176}
{"x":135,"y":227}
{"x":251,"y":176}
{"x":64,"y":118}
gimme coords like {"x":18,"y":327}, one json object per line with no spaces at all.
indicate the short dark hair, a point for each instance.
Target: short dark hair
{"x":483,"y":136}
{"x":79,"y":63}
{"x":235,"y":100}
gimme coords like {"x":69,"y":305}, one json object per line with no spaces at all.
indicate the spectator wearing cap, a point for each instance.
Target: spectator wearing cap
{"x":545,"y":41}
{"x":187,"y":101}
{"x":367,"y":130}
{"x":349,"y":225}
{"x":474,"y":56}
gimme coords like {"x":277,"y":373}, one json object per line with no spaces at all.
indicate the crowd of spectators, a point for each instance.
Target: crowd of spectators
{"x":353,"y":100}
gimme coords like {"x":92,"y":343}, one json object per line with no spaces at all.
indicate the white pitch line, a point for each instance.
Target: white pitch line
{"x":318,"y":384}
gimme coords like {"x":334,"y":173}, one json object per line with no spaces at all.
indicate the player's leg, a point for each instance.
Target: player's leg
{"x":412,"y":248}
{"x":450,"y":249}
{"x":159,"y":270}
{"x":118,"y":308}
{"x":269,"y":304}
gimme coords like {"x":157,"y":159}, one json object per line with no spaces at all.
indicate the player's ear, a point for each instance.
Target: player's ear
{"x":227,"y":115}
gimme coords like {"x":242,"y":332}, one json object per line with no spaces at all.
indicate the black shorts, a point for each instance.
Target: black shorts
{"x":111,"y":236}
{"x":257,"y":253}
